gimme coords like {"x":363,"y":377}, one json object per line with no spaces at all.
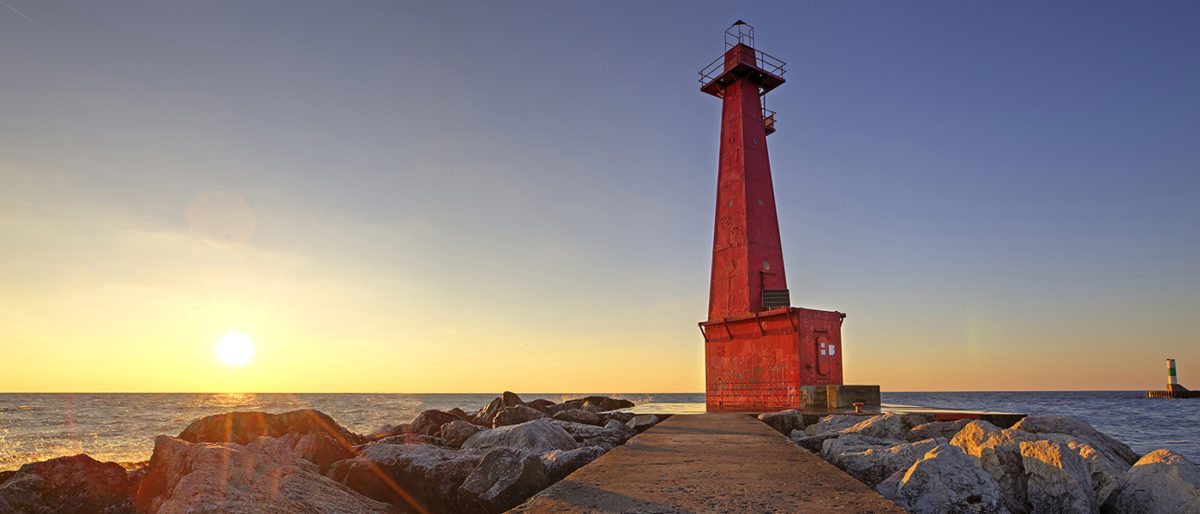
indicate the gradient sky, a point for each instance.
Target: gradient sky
{"x":471,"y":197}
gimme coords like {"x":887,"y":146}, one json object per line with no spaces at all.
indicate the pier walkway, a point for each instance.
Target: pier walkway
{"x":709,"y":463}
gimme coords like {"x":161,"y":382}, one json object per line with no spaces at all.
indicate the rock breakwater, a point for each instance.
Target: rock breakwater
{"x":1057,"y":464}
{"x":304,"y":461}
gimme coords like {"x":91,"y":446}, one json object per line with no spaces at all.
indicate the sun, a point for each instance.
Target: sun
{"x":234,"y":349}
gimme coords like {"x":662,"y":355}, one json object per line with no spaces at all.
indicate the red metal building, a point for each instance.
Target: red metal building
{"x":760,"y":352}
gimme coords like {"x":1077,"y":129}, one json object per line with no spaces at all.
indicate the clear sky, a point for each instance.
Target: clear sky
{"x":471,"y":197}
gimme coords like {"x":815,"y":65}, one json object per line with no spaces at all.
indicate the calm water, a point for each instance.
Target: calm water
{"x":122,"y":427}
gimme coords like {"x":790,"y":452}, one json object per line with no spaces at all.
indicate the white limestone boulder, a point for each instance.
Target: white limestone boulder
{"x":884,"y":426}
{"x":503,"y":479}
{"x":1104,"y":470}
{"x":875,"y":463}
{"x":831,"y":423}
{"x":589,"y":435}
{"x":536,"y":437}
{"x":264,"y":476}
{"x":411,"y":476}
{"x":1057,"y":479}
{"x":936,"y":429}
{"x":832,"y":448}
{"x":1079,"y":429}
{"x":944,"y":480}
{"x":998,"y":452}
{"x":1161,"y":482}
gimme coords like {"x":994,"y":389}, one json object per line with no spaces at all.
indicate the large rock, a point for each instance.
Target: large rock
{"x":541,"y":405}
{"x":1057,"y":478}
{"x":944,"y":480}
{"x":243,"y":427}
{"x":1103,"y":469}
{"x":783,"y":422}
{"x":559,"y":407}
{"x":411,"y":438}
{"x":616,"y":424}
{"x":263,"y":476}
{"x":832,"y":422}
{"x":485,"y":415}
{"x":1161,"y":482}
{"x":831,"y":448}
{"x":430,"y":422}
{"x":516,"y":415}
{"x":387,"y":431}
{"x":458,"y":431}
{"x":504,"y":479}
{"x":538,"y":436}
{"x":622,"y":417}
{"x":510,"y":399}
{"x":936,"y":429}
{"x":605,"y":403}
{"x":579,"y":416}
{"x":889,"y":426}
{"x":589,"y":435}
{"x":319,"y":448}
{"x":642,"y":422}
{"x":560,"y":463}
{"x":1078,"y":429}
{"x":998,"y":451}
{"x":414,"y":477}
{"x":871,"y":463}
{"x":68,"y":484}
{"x":459,"y":414}
{"x":883,"y":426}
{"x":809,"y":442}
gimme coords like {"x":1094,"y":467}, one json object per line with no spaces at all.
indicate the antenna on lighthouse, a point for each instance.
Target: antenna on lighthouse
{"x":740,"y":33}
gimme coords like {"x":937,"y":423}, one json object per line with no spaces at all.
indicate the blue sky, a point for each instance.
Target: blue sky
{"x":1001,"y":196}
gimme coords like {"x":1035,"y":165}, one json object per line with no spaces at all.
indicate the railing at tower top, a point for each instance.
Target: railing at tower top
{"x":762,"y":61}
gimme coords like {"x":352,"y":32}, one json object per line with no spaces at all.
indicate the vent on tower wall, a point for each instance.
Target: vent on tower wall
{"x":775,"y":298}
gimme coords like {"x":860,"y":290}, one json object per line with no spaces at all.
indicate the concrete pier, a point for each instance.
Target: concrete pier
{"x":709,"y":463}
{"x":1173,"y":391}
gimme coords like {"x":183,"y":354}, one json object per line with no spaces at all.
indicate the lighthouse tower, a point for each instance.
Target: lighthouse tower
{"x":760,"y":352}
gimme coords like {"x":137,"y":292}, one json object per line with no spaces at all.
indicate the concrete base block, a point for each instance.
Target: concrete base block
{"x":845,"y":396}
{"x":837,"y":397}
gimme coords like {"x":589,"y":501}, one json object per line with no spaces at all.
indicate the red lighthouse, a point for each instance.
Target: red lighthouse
{"x":760,"y":352}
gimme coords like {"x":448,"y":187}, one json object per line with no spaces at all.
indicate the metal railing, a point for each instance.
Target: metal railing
{"x":762,"y":61}
{"x":768,"y":117}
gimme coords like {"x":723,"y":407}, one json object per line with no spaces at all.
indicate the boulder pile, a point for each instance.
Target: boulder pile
{"x":304,"y":461}
{"x":1040,"y":464}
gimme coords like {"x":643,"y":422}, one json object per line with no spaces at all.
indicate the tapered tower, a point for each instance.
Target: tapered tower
{"x":760,"y":352}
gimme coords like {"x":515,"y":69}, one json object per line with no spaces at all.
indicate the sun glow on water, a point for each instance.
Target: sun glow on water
{"x":234,"y":349}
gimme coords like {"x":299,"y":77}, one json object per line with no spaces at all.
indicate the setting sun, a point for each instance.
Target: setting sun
{"x":234,"y":349}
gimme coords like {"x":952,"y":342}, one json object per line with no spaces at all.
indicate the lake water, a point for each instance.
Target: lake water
{"x":122,"y":427}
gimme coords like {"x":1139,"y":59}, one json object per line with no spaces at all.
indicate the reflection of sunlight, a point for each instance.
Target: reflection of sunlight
{"x":230,"y":399}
